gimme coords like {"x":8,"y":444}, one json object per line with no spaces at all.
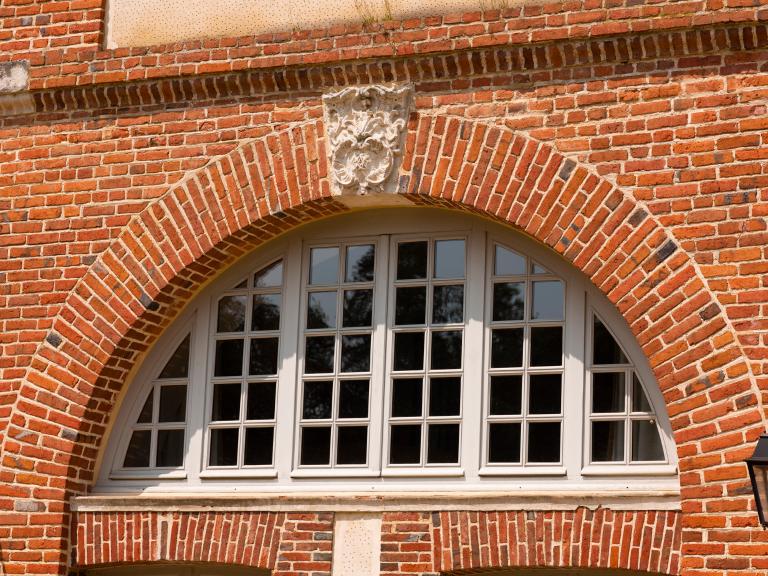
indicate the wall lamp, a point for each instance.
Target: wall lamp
{"x":758,"y":473}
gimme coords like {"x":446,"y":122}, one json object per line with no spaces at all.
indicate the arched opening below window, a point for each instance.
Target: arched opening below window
{"x":172,"y":569}
{"x":550,"y":572}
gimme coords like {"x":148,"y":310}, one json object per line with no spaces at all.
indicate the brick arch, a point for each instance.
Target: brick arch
{"x":268,"y":186}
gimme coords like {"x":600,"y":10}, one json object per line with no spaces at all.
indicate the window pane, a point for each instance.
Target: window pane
{"x":231,"y":316}
{"x":356,"y":353}
{"x":359,"y":263}
{"x":318,"y":399}
{"x":261,"y":401}
{"x":258,"y":446}
{"x":646,"y":444}
{"x":411,"y":305}
{"x":443,"y":444}
{"x":324,"y":265}
{"x":605,"y":349}
{"x":546,"y":346}
{"x":352,"y":445}
{"x":321,"y":310}
{"x":539,"y":269}
{"x":409,"y":351}
{"x":607,"y":392}
{"x":405,"y":444}
{"x":224,"y":446}
{"x":318,"y":355}
{"x":173,"y":404}
{"x":504,"y":443}
{"x":608,"y":441}
{"x":170,"y":448}
{"x":544,"y":394}
{"x":316,"y":446}
{"x":446,"y":350}
{"x":448,"y":304}
{"x":269,"y":277}
{"x":263,"y":358}
{"x":229,"y":358}
{"x":353,"y":399}
{"x":226,"y":402}
{"x":358,"y":308}
{"x":506,"y":394}
{"x":508,"y":301}
{"x":412,"y":260}
{"x":544,"y":442}
{"x":137,"y":454}
{"x":266,"y":312}
{"x":449,"y":259}
{"x":547,"y":301}
{"x":507,"y":348}
{"x":445,"y":396}
{"x":178,"y":364}
{"x":507,"y":262}
{"x":406,"y":397}
{"x":639,"y":399}
{"x":145,"y":416}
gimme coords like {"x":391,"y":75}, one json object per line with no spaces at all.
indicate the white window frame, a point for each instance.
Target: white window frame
{"x":472,"y":472}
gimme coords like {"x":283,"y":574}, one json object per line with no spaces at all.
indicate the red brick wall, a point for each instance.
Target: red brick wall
{"x":628,"y":138}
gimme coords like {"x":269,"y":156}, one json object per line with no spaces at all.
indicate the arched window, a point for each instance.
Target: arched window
{"x":378,"y":348}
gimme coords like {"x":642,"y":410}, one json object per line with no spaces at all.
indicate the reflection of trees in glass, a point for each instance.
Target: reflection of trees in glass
{"x":360,"y":261}
{"x":448,"y":305}
{"x":412,"y":260}
{"x":321,"y":310}
{"x":178,"y":364}
{"x":266,"y":312}
{"x":356,"y":353}
{"x":231,"y":314}
{"x":358,"y":307}
{"x":508,"y":301}
{"x":317,"y":399}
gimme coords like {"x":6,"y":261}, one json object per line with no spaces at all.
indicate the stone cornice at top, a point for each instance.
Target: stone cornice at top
{"x":82,"y":64}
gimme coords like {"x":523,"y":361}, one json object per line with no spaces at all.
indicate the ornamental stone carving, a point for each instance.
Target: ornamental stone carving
{"x":365,"y":126}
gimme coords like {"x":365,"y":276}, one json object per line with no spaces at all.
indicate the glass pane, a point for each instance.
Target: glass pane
{"x":507,"y":348}
{"x":605,"y":348}
{"x":231,"y":316}
{"x":506,"y":394}
{"x":356,"y":353}
{"x":507,"y":262}
{"x":173,"y":404}
{"x":405,"y":444}
{"x":547,"y":301}
{"x":607,"y":392}
{"x":324,"y":265}
{"x":359,"y":263}
{"x":646,"y":443}
{"x":410,"y":305}
{"x":224,"y":446}
{"x":318,"y":355}
{"x":170,"y":448}
{"x":449,"y":259}
{"x":352,"y":445}
{"x":547,"y":346}
{"x":406,"y":397}
{"x":446,"y":350}
{"x":226,"y":402}
{"x":229,"y":358}
{"x":321,"y":310}
{"x":445,"y":396}
{"x":448,"y":304}
{"x":539,"y":269}
{"x":137,"y":454}
{"x":504,"y":443}
{"x":544,"y":442}
{"x":145,"y":416}
{"x":263,"y":358}
{"x":443,"y":444}
{"x":266,"y":312}
{"x":258,"y":446}
{"x":270,"y":276}
{"x":178,"y":364}
{"x":353,"y":399}
{"x":358,"y":308}
{"x":412,"y":260}
{"x":316,"y":446}
{"x":544,"y":394}
{"x":241,"y":285}
{"x":508,"y":301}
{"x":318,"y":399}
{"x":639,"y":399}
{"x":608,"y":441}
{"x":409,"y":350}
{"x":261,"y":401}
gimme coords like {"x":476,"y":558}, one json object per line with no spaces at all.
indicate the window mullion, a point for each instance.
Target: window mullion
{"x":574,"y":374}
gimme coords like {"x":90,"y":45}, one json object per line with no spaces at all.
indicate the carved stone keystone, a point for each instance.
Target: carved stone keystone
{"x":365,"y":126}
